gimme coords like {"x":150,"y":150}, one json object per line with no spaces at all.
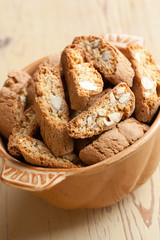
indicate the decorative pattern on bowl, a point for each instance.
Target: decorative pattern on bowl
{"x":24,"y":178}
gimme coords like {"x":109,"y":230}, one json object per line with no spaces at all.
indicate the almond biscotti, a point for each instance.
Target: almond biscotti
{"x":113,"y":141}
{"x":26,"y":126}
{"x":35,"y":152}
{"x":50,"y":61}
{"x":82,"y":78}
{"x":132,"y":129}
{"x":30,"y":93}
{"x":146,"y":86}
{"x":107,"y":59}
{"x":93,"y":99}
{"x":104,"y":114}
{"x":13,"y":97}
{"x":52,"y":111}
{"x":120,"y":41}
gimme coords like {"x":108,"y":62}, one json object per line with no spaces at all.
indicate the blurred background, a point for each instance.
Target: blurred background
{"x":32,"y":29}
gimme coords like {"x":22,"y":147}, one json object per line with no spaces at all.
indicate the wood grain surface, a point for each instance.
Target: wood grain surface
{"x":35,"y":28}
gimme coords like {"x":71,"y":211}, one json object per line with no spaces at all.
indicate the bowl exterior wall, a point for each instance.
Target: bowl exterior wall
{"x":106,"y":184}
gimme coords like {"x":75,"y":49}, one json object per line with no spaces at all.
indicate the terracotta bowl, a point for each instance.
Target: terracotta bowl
{"x":94,"y":186}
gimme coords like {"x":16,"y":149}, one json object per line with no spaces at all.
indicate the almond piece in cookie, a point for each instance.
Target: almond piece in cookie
{"x":113,"y":141}
{"x":82,"y":78}
{"x":120,"y":41}
{"x":13,"y":97}
{"x":146,"y":85}
{"x":107,"y":59}
{"x":105,"y":113}
{"x":26,"y":126}
{"x":36,"y":152}
{"x":52,"y":111}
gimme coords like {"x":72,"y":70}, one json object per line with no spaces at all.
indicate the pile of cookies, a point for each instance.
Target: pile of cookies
{"x":82,"y":106}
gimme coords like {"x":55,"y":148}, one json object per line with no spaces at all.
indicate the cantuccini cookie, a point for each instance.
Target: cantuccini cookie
{"x":36,"y":152}
{"x":52,"y":111}
{"x":113,"y":141}
{"x":104,"y":114}
{"x":146,"y":86}
{"x":107,"y":59}
{"x":79,"y":143}
{"x":132,"y":129}
{"x":120,"y":41}
{"x":83,"y":80}
{"x":93,"y":99}
{"x":13,"y":97}
{"x":26,"y":126}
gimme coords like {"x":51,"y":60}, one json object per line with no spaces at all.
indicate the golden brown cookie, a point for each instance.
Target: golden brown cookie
{"x":82,"y":78}
{"x":113,"y":141}
{"x":26,"y":126}
{"x":146,"y":85}
{"x":107,"y":59}
{"x":36,"y":152}
{"x":93,"y":99}
{"x":50,"y":61}
{"x":13,"y":97}
{"x":117,"y":104}
{"x":52,"y":111}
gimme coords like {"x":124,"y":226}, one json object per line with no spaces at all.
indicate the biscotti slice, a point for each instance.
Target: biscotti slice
{"x":132,"y":129}
{"x":36,"y":153}
{"x":26,"y":126}
{"x":52,"y":111}
{"x":104,"y":114}
{"x":120,"y":41}
{"x":92,"y":100}
{"x":146,"y":86}
{"x":107,"y":59}
{"x":113,"y":141}
{"x":13,"y":97}
{"x":50,"y":61}
{"x":82,"y":78}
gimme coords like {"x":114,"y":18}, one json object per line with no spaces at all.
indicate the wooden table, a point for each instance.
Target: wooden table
{"x":35,"y":28}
